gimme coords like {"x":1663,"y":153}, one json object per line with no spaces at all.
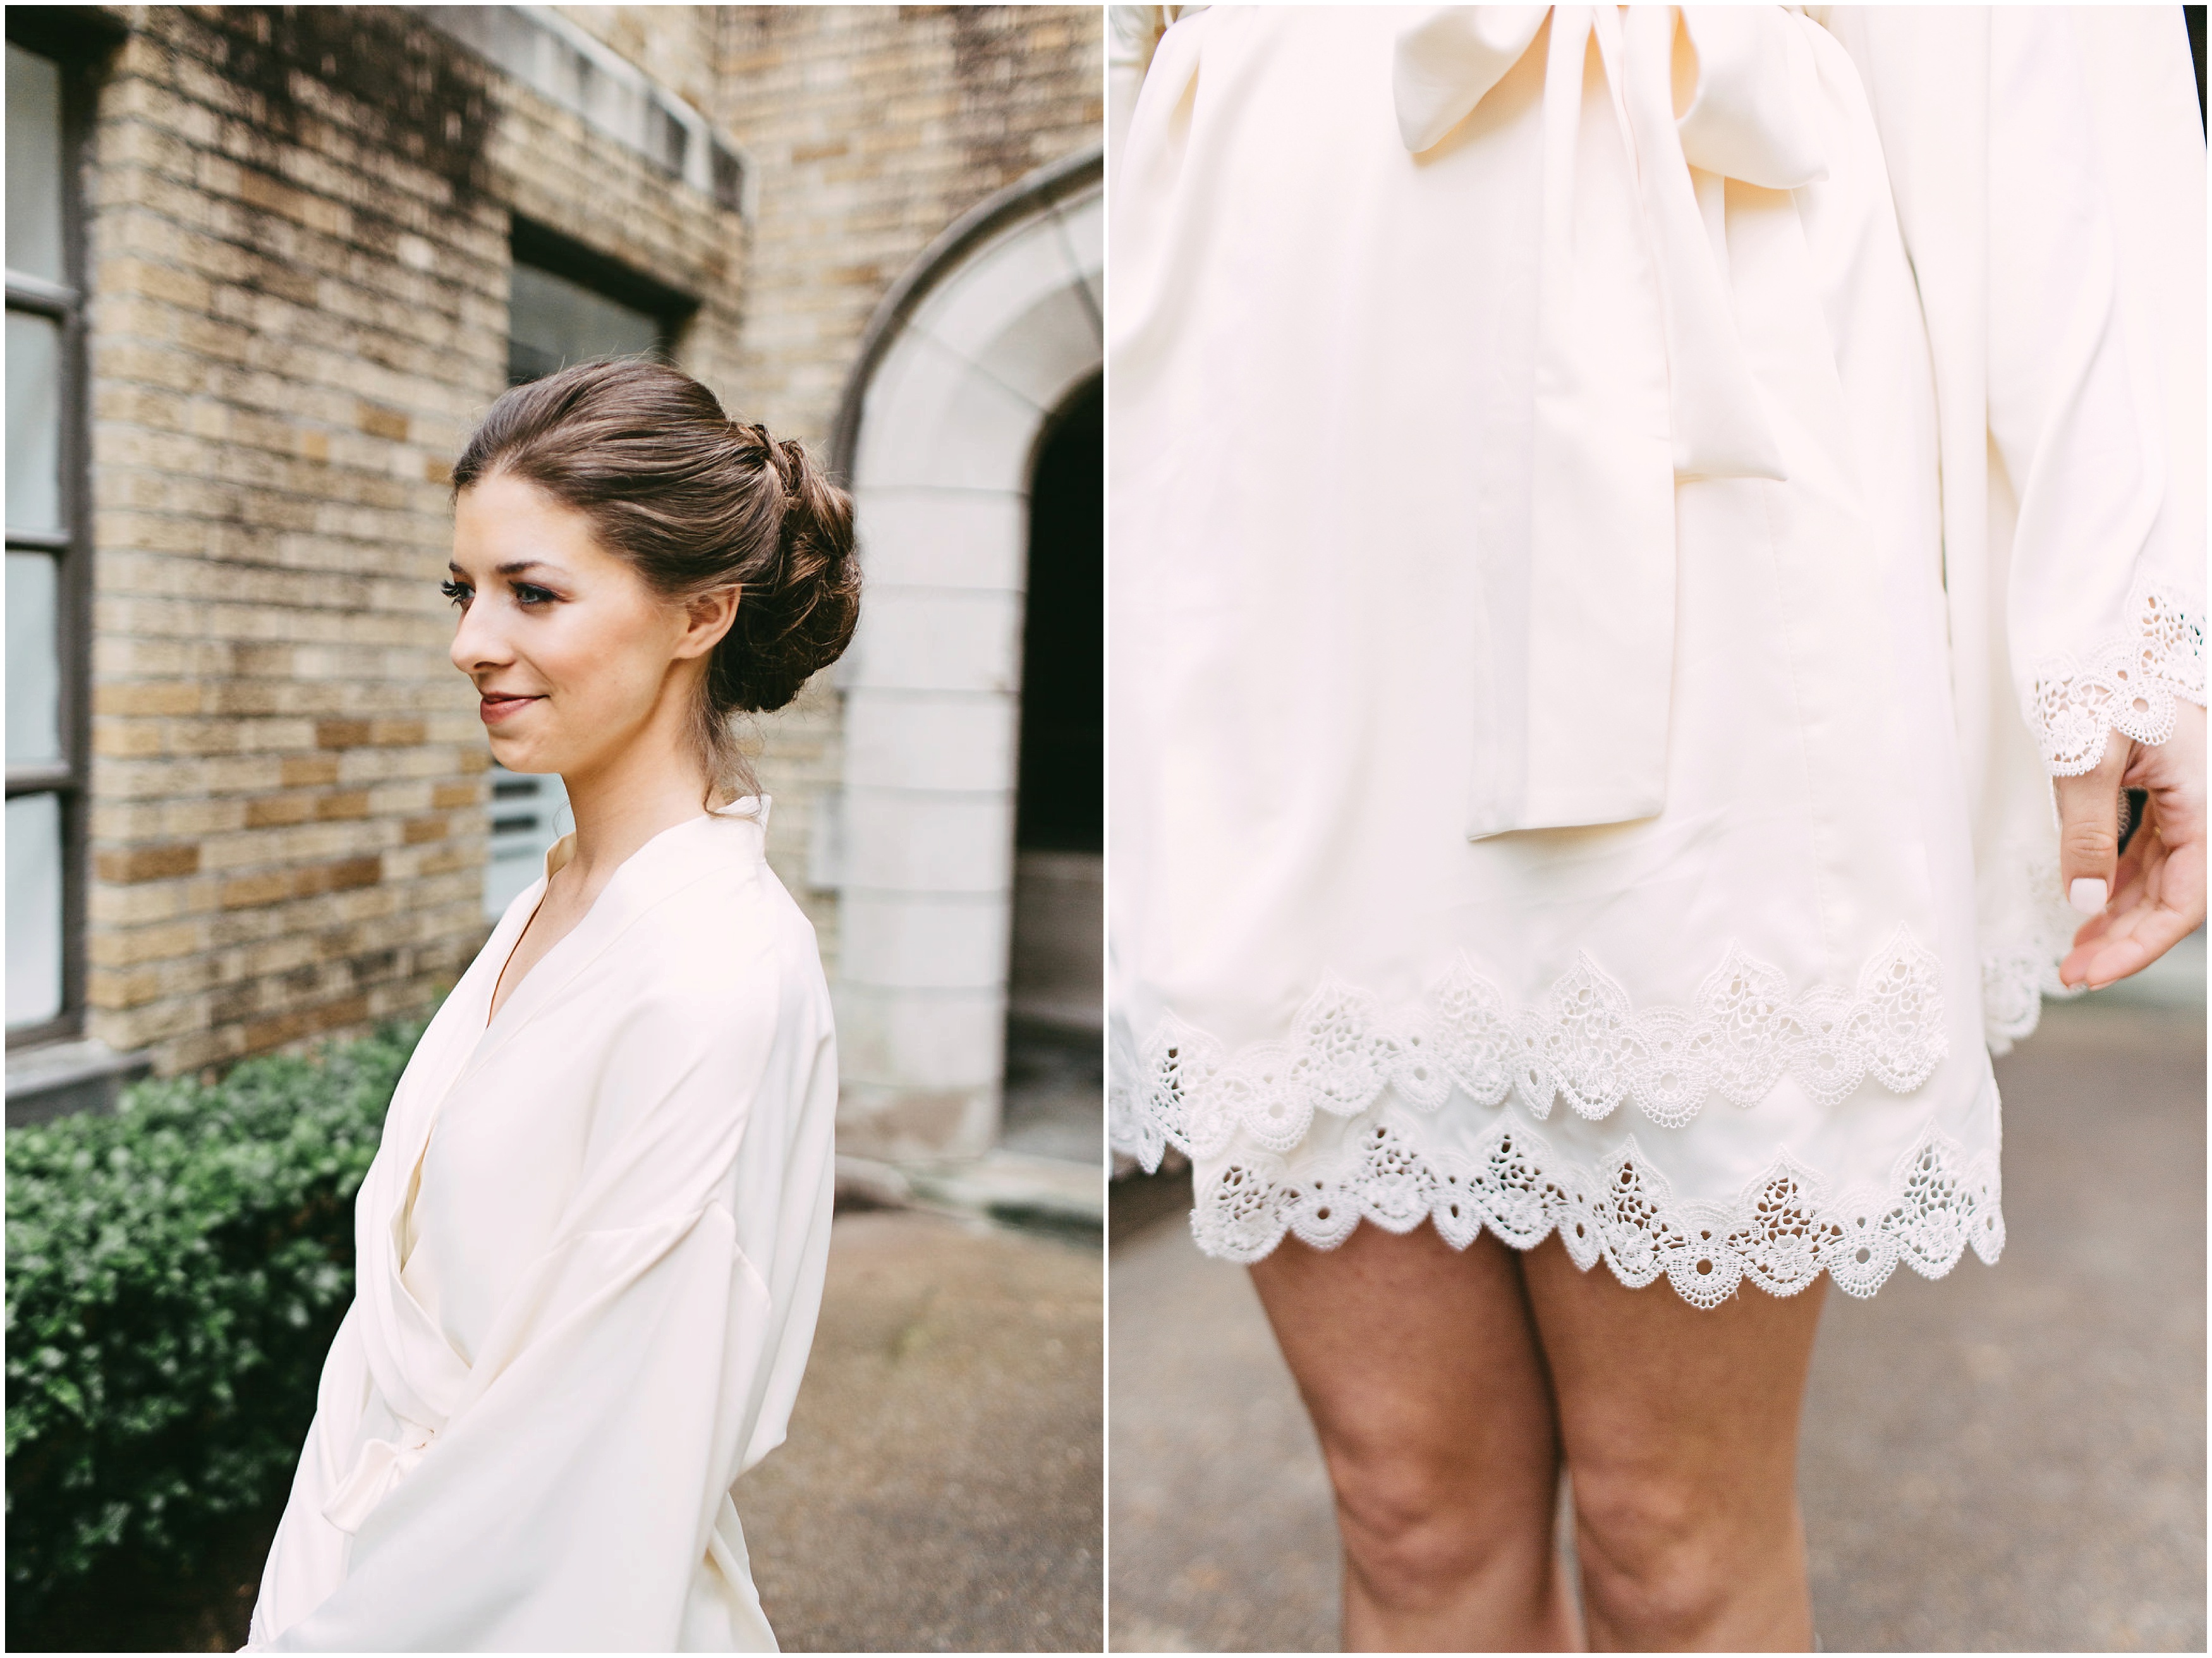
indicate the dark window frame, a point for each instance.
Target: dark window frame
{"x":76,"y":40}
{"x":544,"y":248}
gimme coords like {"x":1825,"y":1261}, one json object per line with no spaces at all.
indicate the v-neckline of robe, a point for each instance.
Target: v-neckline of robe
{"x":627,"y":895}
{"x":614,"y":899}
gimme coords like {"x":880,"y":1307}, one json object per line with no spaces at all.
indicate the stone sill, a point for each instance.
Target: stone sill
{"x":59,"y":1079}
{"x":1005,"y":1185}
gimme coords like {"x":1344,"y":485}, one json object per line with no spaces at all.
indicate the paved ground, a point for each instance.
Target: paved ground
{"x":941,"y":1489}
{"x":942,"y":1486}
{"x":1055,"y":1082}
{"x":2011,"y":1458}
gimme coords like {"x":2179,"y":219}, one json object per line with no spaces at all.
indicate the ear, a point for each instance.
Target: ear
{"x":706,"y":618}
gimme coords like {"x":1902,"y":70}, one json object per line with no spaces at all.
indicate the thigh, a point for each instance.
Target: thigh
{"x":1678,"y":1426}
{"x":1706,"y":1398}
{"x":1419,"y":1365}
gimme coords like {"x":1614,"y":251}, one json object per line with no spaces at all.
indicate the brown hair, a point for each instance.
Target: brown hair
{"x":695,"y":501}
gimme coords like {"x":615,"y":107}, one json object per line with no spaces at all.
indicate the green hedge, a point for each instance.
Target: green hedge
{"x":175,"y":1274}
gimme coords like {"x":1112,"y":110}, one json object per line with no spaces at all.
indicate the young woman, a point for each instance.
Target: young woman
{"x":1618,"y":518}
{"x":590,"y":1248}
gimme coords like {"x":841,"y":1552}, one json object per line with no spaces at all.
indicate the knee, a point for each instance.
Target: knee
{"x":1659,"y":1556}
{"x":1416,"y":1532}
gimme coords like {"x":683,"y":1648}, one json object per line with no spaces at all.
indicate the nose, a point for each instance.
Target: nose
{"x":479,"y":645}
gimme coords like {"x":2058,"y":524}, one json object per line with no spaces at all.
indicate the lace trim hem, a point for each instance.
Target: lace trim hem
{"x":2128,"y":684}
{"x":1582,"y":1042}
{"x":2021,"y":954}
{"x":1782,"y":1232}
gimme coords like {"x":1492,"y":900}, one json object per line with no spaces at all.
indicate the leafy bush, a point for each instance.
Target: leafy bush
{"x":175,"y":1274}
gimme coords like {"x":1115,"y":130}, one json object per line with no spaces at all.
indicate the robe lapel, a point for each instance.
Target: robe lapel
{"x":415,"y":1366}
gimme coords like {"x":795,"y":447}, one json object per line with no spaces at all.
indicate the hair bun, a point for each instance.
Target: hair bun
{"x":799,"y":620}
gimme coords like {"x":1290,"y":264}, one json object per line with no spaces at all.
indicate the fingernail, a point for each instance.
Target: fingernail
{"x":2086,"y":895}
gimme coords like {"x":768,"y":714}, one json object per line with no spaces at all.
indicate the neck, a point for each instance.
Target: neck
{"x":625,"y":802}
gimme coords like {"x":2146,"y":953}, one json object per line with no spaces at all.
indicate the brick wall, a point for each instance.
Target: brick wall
{"x":297,"y":261}
{"x":871,"y":129}
{"x":297,"y":303}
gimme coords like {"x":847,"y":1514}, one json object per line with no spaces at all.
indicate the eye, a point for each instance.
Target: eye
{"x":454,"y":590}
{"x":526,"y":595}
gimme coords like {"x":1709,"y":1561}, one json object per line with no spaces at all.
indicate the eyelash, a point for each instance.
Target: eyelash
{"x":526,"y":594}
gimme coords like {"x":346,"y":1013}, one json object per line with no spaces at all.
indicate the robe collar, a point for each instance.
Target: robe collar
{"x":673,"y":860}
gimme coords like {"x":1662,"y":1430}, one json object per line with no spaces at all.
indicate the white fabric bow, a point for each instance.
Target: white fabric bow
{"x":1639,"y":378}
{"x":380,"y":1465}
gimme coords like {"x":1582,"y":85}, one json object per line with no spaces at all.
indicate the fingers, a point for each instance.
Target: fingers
{"x":2128,"y":947}
{"x":2119,"y":939}
{"x":2089,"y":829}
{"x":2159,"y":895}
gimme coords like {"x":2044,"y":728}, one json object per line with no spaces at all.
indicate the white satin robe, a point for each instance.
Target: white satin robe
{"x":1562,"y":705}
{"x":591,"y":1251}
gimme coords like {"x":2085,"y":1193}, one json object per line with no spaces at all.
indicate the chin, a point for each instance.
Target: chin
{"x":520,"y":757}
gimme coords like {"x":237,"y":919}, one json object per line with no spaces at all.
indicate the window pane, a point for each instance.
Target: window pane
{"x":34,"y":422}
{"x":34,"y":166}
{"x":34,"y":909}
{"x":523,"y":809}
{"x":552,"y":321}
{"x":34,"y":680}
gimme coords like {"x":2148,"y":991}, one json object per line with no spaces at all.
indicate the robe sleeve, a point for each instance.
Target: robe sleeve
{"x":568,"y":1501}
{"x":2096,"y":367}
{"x":2048,"y":171}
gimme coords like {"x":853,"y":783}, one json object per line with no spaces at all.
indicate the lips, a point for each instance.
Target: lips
{"x":495,"y":707}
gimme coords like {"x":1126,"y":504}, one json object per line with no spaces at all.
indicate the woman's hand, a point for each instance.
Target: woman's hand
{"x":2156,"y":892}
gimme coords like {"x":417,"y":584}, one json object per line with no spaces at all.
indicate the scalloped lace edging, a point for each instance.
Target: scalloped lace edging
{"x":1782,"y":1232}
{"x":2022,"y":948}
{"x":2128,"y":684}
{"x":1581,"y":1042}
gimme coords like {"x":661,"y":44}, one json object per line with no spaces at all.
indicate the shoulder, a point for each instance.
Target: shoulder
{"x":730,"y":944}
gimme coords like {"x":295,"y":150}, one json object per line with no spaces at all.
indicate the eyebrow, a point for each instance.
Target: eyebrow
{"x":514,"y":568}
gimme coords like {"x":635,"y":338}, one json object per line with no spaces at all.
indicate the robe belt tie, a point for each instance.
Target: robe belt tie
{"x":1637,"y":376}
{"x":379,"y":1466}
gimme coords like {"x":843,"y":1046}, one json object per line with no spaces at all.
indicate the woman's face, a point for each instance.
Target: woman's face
{"x":573,"y":656}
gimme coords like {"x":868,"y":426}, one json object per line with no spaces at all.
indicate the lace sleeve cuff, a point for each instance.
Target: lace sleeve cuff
{"x":2128,"y":684}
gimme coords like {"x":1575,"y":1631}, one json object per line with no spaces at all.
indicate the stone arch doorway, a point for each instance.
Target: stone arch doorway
{"x":978,"y":358}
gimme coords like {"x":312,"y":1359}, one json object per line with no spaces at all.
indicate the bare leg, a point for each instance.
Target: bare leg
{"x":1419,"y":1366}
{"x":1680,"y":1429}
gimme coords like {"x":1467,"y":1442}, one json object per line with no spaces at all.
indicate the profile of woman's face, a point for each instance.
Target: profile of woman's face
{"x":570,"y":652}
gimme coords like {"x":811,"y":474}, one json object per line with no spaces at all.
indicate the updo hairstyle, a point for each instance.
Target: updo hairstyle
{"x":695,"y":501}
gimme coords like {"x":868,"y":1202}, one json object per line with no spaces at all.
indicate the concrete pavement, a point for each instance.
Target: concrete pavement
{"x":2013,"y":1457}
{"x":941,"y":1487}
{"x":2010,"y":1458}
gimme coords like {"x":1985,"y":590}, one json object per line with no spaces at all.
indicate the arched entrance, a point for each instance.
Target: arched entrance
{"x":972,"y":362}
{"x":1054,"y":1077}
